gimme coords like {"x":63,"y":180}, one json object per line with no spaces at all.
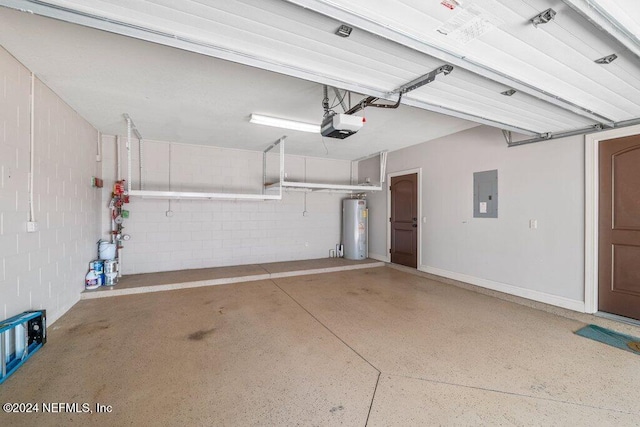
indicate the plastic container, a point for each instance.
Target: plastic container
{"x":91,"y":280}
{"x":110,"y":266}
{"x":110,"y":279}
{"x":97,"y":266}
{"x":106,"y":250}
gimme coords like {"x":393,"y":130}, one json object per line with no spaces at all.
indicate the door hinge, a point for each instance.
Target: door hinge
{"x":389,"y":250}
{"x":389,"y":219}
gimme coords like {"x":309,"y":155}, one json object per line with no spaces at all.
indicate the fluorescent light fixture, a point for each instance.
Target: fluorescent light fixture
{"x":284,"y":123}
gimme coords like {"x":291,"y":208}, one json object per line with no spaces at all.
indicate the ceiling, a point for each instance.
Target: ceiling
{"x":230,"y":59}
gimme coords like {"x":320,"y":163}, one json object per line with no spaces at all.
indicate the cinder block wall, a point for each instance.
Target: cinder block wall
{"x":212,"y":233}
{"x":45,"y":269}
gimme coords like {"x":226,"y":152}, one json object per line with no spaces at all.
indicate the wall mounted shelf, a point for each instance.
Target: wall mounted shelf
{"x":149,"y":194}
{"x":322,"y":187}
{"x":279,"y":185}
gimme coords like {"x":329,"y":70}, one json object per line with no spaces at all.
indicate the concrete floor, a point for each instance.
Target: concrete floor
{"x":372,"y":347}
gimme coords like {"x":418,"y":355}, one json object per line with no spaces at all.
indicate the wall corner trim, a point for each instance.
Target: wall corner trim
{"x":543,"y":297}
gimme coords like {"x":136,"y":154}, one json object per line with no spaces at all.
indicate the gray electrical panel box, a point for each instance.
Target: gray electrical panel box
{"x":485,"y":194}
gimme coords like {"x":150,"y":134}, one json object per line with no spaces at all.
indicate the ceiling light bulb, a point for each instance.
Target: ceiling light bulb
{"x":259,"y":119}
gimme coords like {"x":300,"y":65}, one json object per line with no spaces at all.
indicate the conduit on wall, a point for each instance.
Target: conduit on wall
{"x":118,"y":160}
{"x":32,"y":145}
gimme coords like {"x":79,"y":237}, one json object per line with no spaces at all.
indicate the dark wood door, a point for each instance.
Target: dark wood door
{"x":619,"y":227}
{"x":404,"y":220}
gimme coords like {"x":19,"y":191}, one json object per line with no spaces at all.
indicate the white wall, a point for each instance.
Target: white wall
{"x":45,"y":269}
{"x":543,"y":181}
{"x":211,"y":233}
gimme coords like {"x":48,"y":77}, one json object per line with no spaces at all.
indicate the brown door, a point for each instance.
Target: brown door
{"x":619,"y":228}
{"x":404,"y":220}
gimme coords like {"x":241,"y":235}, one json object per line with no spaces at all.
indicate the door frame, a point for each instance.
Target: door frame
{"x":419,"y":231}
{"x":592,"y":182}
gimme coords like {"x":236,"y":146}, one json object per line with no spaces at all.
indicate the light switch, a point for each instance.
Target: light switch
{"x":533,"y":224}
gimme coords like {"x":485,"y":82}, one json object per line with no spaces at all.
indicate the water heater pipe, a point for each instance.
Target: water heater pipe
{"x":99,"y":147}
{"x":128,"y":152}
{"x":118,"y":158}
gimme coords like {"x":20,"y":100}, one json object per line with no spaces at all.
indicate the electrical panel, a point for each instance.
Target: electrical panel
{"x":485,"y":194}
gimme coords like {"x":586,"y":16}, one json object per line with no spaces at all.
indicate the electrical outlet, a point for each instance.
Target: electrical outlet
{"x":32,"y":227}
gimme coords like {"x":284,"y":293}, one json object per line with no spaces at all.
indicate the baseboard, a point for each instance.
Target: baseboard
{"x":543,"y":297}
{"x":379,"y":257}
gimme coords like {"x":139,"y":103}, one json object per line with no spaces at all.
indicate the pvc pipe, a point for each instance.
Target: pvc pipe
{"x":119,"y":250}
{"x":32,"y":147}
{"x":140,"y":163}
{"x":118,"y":167}
{"x":99,"y":148}
{"x":128,"y":153}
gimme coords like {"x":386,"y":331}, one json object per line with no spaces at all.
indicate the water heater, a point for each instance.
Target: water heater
{"x":355,"y":228}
